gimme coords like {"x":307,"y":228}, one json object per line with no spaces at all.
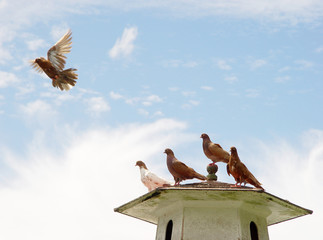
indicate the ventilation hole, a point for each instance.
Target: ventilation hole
{"x":169,"y":230}
{"x":253,"y":231}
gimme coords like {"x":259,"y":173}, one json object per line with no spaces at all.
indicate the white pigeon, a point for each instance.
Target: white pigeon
{"x":149,"y":179}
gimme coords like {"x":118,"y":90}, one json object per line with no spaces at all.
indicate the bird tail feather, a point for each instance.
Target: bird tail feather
{"x":253,"y":181}
{"x":66,"y":79}
{"x":200,"y":176}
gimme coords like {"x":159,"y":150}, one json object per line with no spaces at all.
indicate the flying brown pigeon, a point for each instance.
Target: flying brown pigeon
{"x":179,"y":170}
{"x":239,"y":171}
{"x":214,"y":151}
{"x":53,"y":66}
{"x":149,"y":179}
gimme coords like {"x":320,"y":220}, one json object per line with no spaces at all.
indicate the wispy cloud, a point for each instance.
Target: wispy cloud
{"x":231,"y":79}
{"x":39,"y":112}
{"x":146,"y":100}
{"x":58,"y":31}
{"x":5,"y":55}
{"x":173,"y":89}
{"x":302,"y":160}
{"x":304,"y":64}
{"x":175,"y":63}
{"x":282,"y":79}
{"x":319,"y":49}
{"x":7,"y":79}
{"x":35,"y":44}
{"x":69,"y":197}
{"x":97,"y":105}
{"x":115,"y":95}
{"x":207,"y":88}
{"x":190,"y":104}
{"x":252,"y":93}
{"x":223,"y":64}
{"x":255,"y":64}
{"x":124,"y":46}
{"x":188,"y":93}
{"x":284,"y":69}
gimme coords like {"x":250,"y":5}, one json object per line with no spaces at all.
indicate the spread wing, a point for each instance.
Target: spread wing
{"x":56,"y":53}
{"x":36,"y":66}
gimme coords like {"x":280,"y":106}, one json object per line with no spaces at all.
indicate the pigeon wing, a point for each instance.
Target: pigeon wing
{"x":56,"y":54}
{"x":158,"y":181}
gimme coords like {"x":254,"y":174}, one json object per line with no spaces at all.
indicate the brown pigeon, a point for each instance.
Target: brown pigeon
{"x":179,"y":170}
{"x":239,"y":171}
{"x":149,"y":179}
{"x":54,"y":65}
{"x":214,"y":151}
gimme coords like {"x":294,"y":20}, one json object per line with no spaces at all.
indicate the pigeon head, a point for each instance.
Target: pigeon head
{"x":233,"y":150}
{"x":169,"y":151}
{"x":38,"y":60}
{"x":204,"y":136}
{"x":141,"y":164}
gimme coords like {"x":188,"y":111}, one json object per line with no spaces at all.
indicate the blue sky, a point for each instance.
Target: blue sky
{"x":154,"y":75}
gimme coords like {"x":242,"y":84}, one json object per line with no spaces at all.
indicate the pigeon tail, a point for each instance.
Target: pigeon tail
{"x":200,"y":176}
{"x":253,"y":181}
{"x":66,"y":79}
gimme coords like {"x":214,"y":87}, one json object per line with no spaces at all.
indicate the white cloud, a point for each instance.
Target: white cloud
{"x":132,"y":101}
{"x":190,"y":104}
{"x":39,"y":113}
{"x":172,"y":63}
{"x":124,"y":46}
{"x":115,"y":95}
{"x":282,"y":79}
{"x":58,"y":31}
{"x":231,"y":79}
{"x":222,"y":64}
{"x":148,"y":101}
{"x":158,"y":114}
{"x":37,"y":107}
{"x":97,"y":105}
{"x":257,"y":63}
{"x":294,"y":174}
{"x":319,"y":49}
{"x":5,"y":54}
{"x":188,"y":93}
{"x":7,"y":79}
{"x":35,"y":44}
{"x":143,"y":112}
{"x":72,"y":194}
{"x":190,"y":64}
{"x":284,"y":69}
{"x":207,"y":88}
{"x":175,"y":63}
{"x":252,"y":93}
{"x":304,"y":64}
{"x":173,"y":89}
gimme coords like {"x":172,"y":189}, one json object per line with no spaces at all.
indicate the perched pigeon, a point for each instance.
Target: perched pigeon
{"x":54,"y":65}
{"x":149,"y":179}
{"x":179,"y":170}
{"x":214,"y":151}
{"x":239,"y":171}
